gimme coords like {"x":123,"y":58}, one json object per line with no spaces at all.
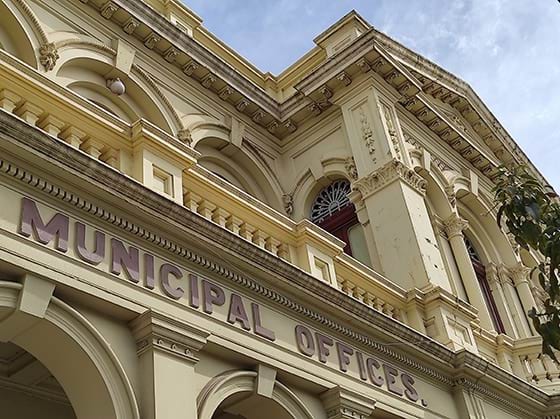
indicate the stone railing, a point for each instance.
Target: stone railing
{"x":536,"y":368}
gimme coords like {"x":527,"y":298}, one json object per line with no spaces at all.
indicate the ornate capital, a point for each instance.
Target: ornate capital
{"x":48,"y":55}
{"x":492,"y":274}
{"x":385,"y":175}
{"x":504,"y":274}
{"x":343,"y":404}
{"x":455,"y":225}
{"x":154,"y":331}
{"x":519,"y":273}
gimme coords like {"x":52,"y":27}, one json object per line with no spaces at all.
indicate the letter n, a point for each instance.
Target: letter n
{"x":32,"y":224}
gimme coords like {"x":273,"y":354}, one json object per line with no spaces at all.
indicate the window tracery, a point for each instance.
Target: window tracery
{"x":330,"y":200}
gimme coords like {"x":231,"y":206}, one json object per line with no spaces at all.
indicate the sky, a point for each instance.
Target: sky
{"x":507,"y":50}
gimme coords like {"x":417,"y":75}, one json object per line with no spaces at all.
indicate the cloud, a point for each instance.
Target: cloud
{"x":507,"y":51}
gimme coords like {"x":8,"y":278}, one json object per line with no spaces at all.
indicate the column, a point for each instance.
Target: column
{"x":454,"y":227}
{"x":520,"y":275}
{"x":167,"y":352}
{"x":392,"y":193}
{"x":505,"y":306}
{"x":514,"y":303}
{"x":343,"y":404}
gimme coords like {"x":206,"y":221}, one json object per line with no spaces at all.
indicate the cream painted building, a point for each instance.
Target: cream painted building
{"x":185,"y":236}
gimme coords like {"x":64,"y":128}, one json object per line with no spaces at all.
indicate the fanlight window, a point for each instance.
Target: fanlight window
{"x":330,"y":200}
{"x":333,"y":211}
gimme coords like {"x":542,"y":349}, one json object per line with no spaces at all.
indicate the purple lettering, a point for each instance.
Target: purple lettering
{"x":390,"y":375}
{"x":193,"y":294}
{"x":322,"y":344}
{"x":409,"y":390}
{"x":237,"y":312}
{"x":213,"y":295}
{"x":372,"y":364}
{"x":31,"y":222}
{"x":343,"y":352}
{"x":259,"y":328}
{"x":164,"y":272}
{"x":150,"y":271}
{"x":120,"y":258}
{"x":98,"y":254}
{"x":304,"y":340}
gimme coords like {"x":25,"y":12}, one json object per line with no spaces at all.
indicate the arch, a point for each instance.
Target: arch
{"x":64,"y":339}
{"x":436,"y":191}
{"x":20,"y":32}
{"x":230,"y":383}
{"x":239,"y":164}
{"x":490,"y":240}
{"x":84,"y":65}
{"x":307,"y":186}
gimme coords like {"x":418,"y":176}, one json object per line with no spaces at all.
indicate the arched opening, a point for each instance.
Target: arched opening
{"x":236,"y":165}
{"x":73,"y":352}
{"x":248,"y":405}
{"x":28,"y":390}
{"x":236,"y":395}
{"x":13,"y":37}
{"x":333,"y":211}
{"x":87,"y":76}
{"x":480,"y":272}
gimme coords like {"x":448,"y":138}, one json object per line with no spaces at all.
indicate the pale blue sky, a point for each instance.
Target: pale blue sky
{"x":507,"y":50}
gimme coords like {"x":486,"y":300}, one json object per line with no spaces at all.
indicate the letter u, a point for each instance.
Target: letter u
{"x":95,"y":257}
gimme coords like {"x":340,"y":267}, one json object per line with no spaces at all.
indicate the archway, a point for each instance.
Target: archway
{"x":16,"y":37}
{"x":236,"y":395}
{"x":85,"y":67}
{"x":236,"y":164}
{"x":69,"y":347}
{"x":28,"y":389}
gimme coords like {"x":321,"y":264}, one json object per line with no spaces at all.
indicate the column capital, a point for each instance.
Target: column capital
{"x":454,"y":226}
{"x":492,"y":274}
{"x":385,"y":175}
{"x":519,"y":273}
{"x":155,"y":331}
{"x":343,"y":404}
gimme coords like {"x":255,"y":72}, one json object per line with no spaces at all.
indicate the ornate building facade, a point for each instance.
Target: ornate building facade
{"x":185,"y":236}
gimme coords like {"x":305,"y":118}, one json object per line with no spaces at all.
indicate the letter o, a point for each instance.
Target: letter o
{"x":304,"y":340}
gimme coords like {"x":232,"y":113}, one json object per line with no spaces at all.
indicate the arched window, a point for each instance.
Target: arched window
{"x":333,"y":211}
{"x":480,"y":272}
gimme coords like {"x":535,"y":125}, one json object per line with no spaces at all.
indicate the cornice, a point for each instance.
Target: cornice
{"x":411,"y":72}
{"x":20,"y":137}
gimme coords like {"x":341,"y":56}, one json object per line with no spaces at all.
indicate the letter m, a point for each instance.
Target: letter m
{"x":33,"y":225}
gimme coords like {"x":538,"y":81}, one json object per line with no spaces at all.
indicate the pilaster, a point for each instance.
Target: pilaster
{"x":392,"y":193}
{"x":393,"y":196}
{"x":167,"y":352}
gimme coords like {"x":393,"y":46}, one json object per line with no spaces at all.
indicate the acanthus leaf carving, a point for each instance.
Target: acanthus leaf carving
{"x":385,"y":175}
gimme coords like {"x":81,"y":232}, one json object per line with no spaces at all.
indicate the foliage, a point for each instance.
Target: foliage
{"x":531,"y":212}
